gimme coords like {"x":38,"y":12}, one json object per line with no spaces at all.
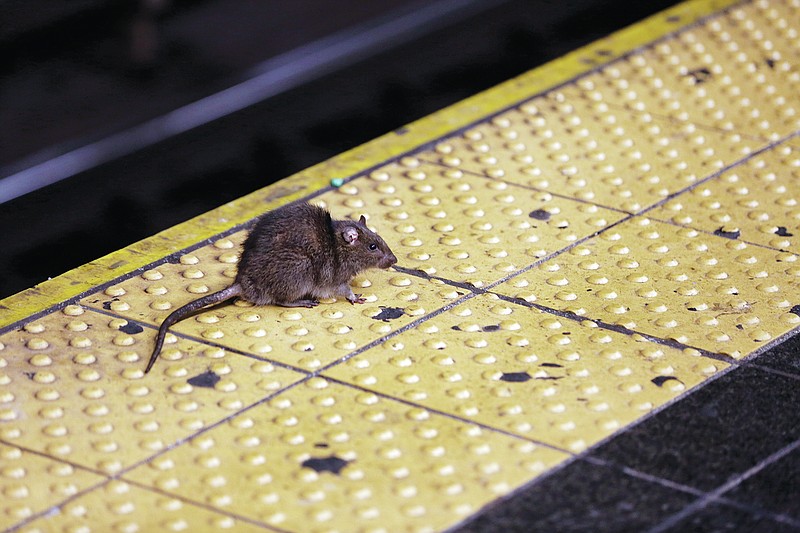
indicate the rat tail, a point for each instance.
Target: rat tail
{"x":184,"y":311}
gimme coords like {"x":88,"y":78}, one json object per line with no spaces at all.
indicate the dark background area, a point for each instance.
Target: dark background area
{"x":75,"y":72}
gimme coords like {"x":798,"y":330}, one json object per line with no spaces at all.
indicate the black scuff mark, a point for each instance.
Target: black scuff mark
{"x":107,"y":304}
{"x":795,"y":309}
{"x":207,"y":379}
{"x":699,"y":75}
{"x":770,"y":62}
{"x":488,"y":329}
{"x":131,"y":328}
{"x":331,"y":464}
{"x":552,"y":365}
{"x":720,"y":232}
{"x":783,"y":232}
{"x":515,"y":377}
{"x":30,"y":375}
{"x":389,"y":313}
{"x":539,"y":214}
{"x":660,"y":380}
{"x":321,"y":445}
{"x":691,"y":309}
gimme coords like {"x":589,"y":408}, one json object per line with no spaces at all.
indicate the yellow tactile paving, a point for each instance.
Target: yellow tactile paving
{"x":756,"y":201}
{"x":570,"y":142}
{"x":719,"y":74}
{"x":495,"y":351}
{"x":31,"y":483}
{"x":120,"y":507}
{"x":324,"y":457}
{"x":702,"y":290}
{"x":560,"y":381}
{"x":466,"y":228}
{"x":73,"y":387}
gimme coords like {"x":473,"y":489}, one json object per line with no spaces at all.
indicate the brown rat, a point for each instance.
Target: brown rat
{"x":293,"y":256}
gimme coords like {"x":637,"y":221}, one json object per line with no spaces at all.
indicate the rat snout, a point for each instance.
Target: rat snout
{"x":388,"y":260}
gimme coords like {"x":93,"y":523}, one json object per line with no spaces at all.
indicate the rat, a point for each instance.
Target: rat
{"x":293,"y":256}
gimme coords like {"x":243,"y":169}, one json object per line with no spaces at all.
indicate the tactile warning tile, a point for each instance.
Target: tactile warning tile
{"x":72,"y":387}
{"x":326,"y":457}
{"x":31,"y":483}
{"x":563,"y":382}
{"x":702,"y":290}
{"x":307,"y":339}
{"x":570,"y":142}
{"x":466,"y":228}
{"x":772,"y":27}
{"x":755,"y":202}
{"x":121,"y":507}
{"x":724,"y":73}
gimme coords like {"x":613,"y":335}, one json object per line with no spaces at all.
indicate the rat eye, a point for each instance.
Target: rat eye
{"x":373,"y":246}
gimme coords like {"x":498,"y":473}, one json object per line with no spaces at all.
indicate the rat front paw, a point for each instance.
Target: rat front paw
{"x":356,"y":299}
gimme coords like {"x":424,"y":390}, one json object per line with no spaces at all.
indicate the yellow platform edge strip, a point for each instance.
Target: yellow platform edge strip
{"x":314,"y":179}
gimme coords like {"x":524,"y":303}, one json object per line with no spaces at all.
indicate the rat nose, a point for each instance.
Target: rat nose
{"x":389,"y":260}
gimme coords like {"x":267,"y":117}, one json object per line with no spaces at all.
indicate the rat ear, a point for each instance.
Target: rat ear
{"x":363,"y":220}
{"x":350,"y":235}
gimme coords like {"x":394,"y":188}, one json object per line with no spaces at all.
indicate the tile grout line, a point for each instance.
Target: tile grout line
{"x":722,"y":489}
